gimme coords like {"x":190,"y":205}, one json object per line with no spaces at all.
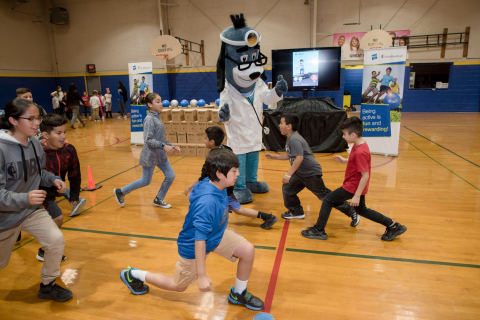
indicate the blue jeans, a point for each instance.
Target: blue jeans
{"x":248,"y":169}
{"x":147,"y":178}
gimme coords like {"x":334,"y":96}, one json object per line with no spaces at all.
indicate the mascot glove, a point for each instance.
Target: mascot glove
{"x":281,"y":87}
{"x":224,"y":113}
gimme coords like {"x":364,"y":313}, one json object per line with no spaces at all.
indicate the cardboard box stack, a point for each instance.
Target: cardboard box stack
{"x":185,"y":128}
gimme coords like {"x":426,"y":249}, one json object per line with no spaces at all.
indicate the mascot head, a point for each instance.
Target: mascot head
{"x":240,"y":61}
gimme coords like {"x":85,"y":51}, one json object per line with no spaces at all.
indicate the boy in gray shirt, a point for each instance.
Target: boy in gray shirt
{"x":305,"y":172}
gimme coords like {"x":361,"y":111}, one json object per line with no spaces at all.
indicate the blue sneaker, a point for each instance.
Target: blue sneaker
{"x":246,"y":298}
{"x":78,"y":208}
{"x":135,"y":285}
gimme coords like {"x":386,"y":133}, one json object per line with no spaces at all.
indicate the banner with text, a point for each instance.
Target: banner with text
{"x":382,"y":96}
{"x":350,"y":43}
{"x":140,"y":81}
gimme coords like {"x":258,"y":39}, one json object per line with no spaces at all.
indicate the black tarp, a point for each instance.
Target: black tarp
{"x":319,"y":118}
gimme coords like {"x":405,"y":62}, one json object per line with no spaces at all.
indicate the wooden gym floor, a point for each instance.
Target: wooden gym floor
{"x":430,"y":272}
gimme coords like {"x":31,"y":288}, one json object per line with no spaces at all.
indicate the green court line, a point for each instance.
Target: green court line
{"x":142,"y":236}
{"x":442,"y":147}
{"x":23,"y":244}
{"x":350,"y":255}
{"x":439,"y":163}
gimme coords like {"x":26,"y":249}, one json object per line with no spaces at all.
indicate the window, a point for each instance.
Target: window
{"x":429,"y":75}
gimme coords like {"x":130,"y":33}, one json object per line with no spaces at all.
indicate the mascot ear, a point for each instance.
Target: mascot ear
{"x":264,"y":75}
{"x":221,"y":69}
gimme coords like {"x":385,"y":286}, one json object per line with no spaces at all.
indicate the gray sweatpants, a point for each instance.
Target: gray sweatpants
{"x":40,"y":225}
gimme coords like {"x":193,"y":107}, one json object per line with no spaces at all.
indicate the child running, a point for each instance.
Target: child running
{"x":154,"y":153}
{"x":355,"y":186}
{"x":205,"y":230}
{"x":61,"y":159}
{"x":213,"y":141}
{"x":305,"y":172}
{"x":22,"y":170}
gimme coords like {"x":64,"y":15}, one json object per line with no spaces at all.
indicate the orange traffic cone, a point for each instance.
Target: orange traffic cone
{"x":91,"y":184}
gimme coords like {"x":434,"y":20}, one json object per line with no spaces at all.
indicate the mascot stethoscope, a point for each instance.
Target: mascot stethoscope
{"x":241,"y":84}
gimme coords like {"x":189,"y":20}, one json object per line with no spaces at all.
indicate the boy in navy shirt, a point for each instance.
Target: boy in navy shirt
{"x":355,"y":186}
{"x":204,"y":231}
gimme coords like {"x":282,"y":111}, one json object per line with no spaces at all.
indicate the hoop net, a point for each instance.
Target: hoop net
{"x":163,"y":56}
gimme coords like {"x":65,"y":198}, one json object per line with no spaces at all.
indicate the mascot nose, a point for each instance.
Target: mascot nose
{"x":254,"y":75}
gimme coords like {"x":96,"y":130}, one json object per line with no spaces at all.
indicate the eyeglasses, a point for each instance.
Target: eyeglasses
{"x":261,"y":61}
{"x":32,"y":119}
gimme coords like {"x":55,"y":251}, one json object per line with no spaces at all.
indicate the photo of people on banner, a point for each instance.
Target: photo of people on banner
{"x":141,"y":85}
{"x":383,"y":84}
{"x":350,"y":43}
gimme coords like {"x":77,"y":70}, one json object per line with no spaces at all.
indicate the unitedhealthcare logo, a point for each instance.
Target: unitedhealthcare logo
{"x":134,"y":68}
{"x":374,"y":57}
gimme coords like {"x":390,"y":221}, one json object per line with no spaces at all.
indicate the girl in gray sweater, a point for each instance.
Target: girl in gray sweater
{"x":154,"y":153}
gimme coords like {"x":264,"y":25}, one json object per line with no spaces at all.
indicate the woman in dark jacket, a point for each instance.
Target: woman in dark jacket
{"x":122,"y":98}
{"x":73,"y":101}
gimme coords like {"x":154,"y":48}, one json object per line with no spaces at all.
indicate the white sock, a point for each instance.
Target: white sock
{"x":139,"y":274}
{"x":240,"y":285}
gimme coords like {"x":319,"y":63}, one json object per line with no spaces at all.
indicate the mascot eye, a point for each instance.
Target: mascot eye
{"x":244,"y":58}
{"x":254,"y":56}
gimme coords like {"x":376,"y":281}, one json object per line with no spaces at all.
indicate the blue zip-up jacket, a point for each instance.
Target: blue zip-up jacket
{"x":206,"y":219}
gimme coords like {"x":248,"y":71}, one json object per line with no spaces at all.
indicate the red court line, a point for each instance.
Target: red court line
{"x":118,"y":141}
{"x":276,"y":268}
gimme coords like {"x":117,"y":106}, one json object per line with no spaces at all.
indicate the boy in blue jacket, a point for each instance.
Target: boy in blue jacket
{"x":204,"y":231}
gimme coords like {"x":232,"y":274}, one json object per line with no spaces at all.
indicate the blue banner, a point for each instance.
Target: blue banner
{"x":376,"y":120}
{"x":138,"y":115}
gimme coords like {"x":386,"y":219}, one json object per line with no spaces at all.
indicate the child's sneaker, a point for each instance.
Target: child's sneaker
{"x":269,"y":222}
{"x":41,"y":255}
{"x":290,"y":215}
{"x":355,"y":219}
{"x":246,"y":298}
{"x":119,"y":196}
{"x":54,"y":291}
{"x":103,"y":118}
{"x":78,"y":208}
{"x":136,"y":286}
{"x":161,"y":203}
{"x":313,"y":233}
{"x":392,"y":232}
{"x":125,"y":116}
{"x":120,"y":117}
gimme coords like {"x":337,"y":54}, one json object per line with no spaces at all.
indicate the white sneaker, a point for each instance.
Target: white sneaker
{"x":119,"y":117}
{"x":103,"y":118}
{"x":89,"y":117}
{"x":125,"y":116}
{"x":78,"y":208}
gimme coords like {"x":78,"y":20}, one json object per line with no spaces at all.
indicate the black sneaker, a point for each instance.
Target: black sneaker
{"x":19,"y":236}
{"x":290,"y":215}
{"x":355,"y":219}
{"x":41,"y":254}
{"x":161,"y":203}
{"x":136,"y":286}
{"x":246,"y":298}
{"x":54,"y":291}
{"x":119,"y":196}
{"x":313,"y":233}
{"x":269,"y":222}
{"x":392,"y":232}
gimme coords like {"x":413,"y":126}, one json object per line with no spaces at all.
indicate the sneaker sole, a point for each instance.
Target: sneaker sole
{"x":78,"y":209}
{"x":128,"y":286}
{"x":116,"y":199}
{"x":316,"y":237}
{"x":40,"y":258}
{"x":400,"y":232}
{"x":294,"y":217}
{"x":266,"y":228}
{"x":249,"y":307}
{"x":164,"y":207}
{"x":354,"y":225}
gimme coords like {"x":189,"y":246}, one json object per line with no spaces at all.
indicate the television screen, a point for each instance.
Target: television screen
{"x":308,"y":69}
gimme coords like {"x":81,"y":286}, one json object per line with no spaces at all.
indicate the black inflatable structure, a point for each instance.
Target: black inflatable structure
{"x":319,"y":118}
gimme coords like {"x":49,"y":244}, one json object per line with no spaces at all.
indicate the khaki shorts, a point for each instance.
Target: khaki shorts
{"x":186,"y":269}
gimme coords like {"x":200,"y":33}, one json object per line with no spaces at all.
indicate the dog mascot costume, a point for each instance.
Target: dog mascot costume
{"x":240,"y":82}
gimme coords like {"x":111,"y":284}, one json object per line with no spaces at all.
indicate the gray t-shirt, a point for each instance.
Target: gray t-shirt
{"x":297,"y":146}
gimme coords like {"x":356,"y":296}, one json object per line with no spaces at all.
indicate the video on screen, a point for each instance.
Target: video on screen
{"x":305,"y":68}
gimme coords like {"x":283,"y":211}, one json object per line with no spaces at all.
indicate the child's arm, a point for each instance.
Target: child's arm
{"x":340,"y":159}
{"x":296,"y":163}
{"x":282,"y":156}
{"x":190,"y":187}
{"x":74,"y":176}
{"x":363,"y":182}
{"x":204,"y":282}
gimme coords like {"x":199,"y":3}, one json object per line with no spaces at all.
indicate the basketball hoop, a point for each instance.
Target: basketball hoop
{"x":163,"y":56}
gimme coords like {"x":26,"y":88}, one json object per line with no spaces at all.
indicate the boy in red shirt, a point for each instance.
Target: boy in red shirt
{"x":355,"y":186}
{"x":86,"y":106}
